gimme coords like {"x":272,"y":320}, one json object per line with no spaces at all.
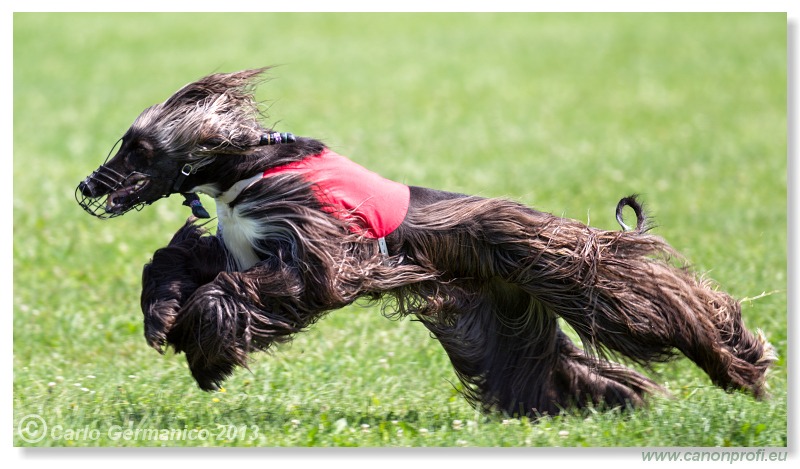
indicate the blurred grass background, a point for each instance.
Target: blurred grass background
{"x":565,"y":112}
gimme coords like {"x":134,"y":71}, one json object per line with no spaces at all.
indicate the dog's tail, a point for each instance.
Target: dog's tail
{"x":632,"y":202}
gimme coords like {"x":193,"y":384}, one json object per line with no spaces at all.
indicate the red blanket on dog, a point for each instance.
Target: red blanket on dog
{"x":349,"y":191}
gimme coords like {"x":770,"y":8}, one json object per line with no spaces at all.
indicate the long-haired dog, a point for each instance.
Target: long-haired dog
{"x":303,"y":231}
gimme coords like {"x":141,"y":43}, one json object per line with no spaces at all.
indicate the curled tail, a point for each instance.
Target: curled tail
{"x":641,"y":219}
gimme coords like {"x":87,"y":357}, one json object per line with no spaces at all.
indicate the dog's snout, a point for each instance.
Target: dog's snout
{"x":102,"y":181}
{"x":94,"y":185}
{"x":86,"y":188}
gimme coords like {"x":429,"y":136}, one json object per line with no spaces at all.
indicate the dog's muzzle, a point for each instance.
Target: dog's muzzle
{"x":107,"y":194}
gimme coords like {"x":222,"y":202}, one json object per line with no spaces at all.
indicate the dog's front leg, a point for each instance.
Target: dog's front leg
{"x":238,"y":313}
{"x":190,"y":260}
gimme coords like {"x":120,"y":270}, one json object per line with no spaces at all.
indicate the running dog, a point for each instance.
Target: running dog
{"x":303,"y":231}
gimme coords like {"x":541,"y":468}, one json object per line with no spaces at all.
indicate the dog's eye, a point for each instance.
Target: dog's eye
{"x":139,"y":157}
{"x":145,"y":145}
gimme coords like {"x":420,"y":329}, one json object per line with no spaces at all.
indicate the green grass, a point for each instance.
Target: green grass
{"x":563,"y":112}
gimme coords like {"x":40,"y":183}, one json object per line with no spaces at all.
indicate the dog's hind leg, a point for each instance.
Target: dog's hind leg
{"x":511,"y":356}
{"x":620,"y":291}
{"x":674,"y":309}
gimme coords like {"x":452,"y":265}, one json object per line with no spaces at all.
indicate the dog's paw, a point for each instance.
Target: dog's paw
{"x":159,"y":319}
{"x":209,"y":371}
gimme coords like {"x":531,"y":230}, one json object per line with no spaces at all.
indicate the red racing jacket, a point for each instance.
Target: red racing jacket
{"x":376,"y":206}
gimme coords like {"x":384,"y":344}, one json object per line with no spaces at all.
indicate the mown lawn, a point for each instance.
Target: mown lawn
{"x":565,"y":112}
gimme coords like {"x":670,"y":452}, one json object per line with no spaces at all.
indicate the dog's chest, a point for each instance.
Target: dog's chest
{"x":239,"y":234}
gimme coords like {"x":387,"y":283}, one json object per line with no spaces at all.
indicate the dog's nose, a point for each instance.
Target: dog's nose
{"x":86,"y":188}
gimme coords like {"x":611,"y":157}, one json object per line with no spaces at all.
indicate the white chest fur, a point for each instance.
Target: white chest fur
{"x":239,"y":234}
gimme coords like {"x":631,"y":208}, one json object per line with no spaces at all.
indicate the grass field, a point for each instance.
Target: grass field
{"x":566,"y":113}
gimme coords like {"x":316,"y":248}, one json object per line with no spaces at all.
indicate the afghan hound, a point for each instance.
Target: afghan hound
{"x":303,"y":231}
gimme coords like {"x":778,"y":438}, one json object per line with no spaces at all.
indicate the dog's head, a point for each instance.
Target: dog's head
{"x":169,"y":144}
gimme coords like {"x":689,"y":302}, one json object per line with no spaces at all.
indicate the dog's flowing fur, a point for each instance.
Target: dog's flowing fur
{"x":489,"y":278}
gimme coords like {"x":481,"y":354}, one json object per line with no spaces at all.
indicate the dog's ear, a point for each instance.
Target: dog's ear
{"x":237,"y":85}
{"x":216,"y":114}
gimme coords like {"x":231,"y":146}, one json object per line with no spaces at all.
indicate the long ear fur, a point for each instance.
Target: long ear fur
{"x":239,"y":86}
{"x":213,"y":116}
